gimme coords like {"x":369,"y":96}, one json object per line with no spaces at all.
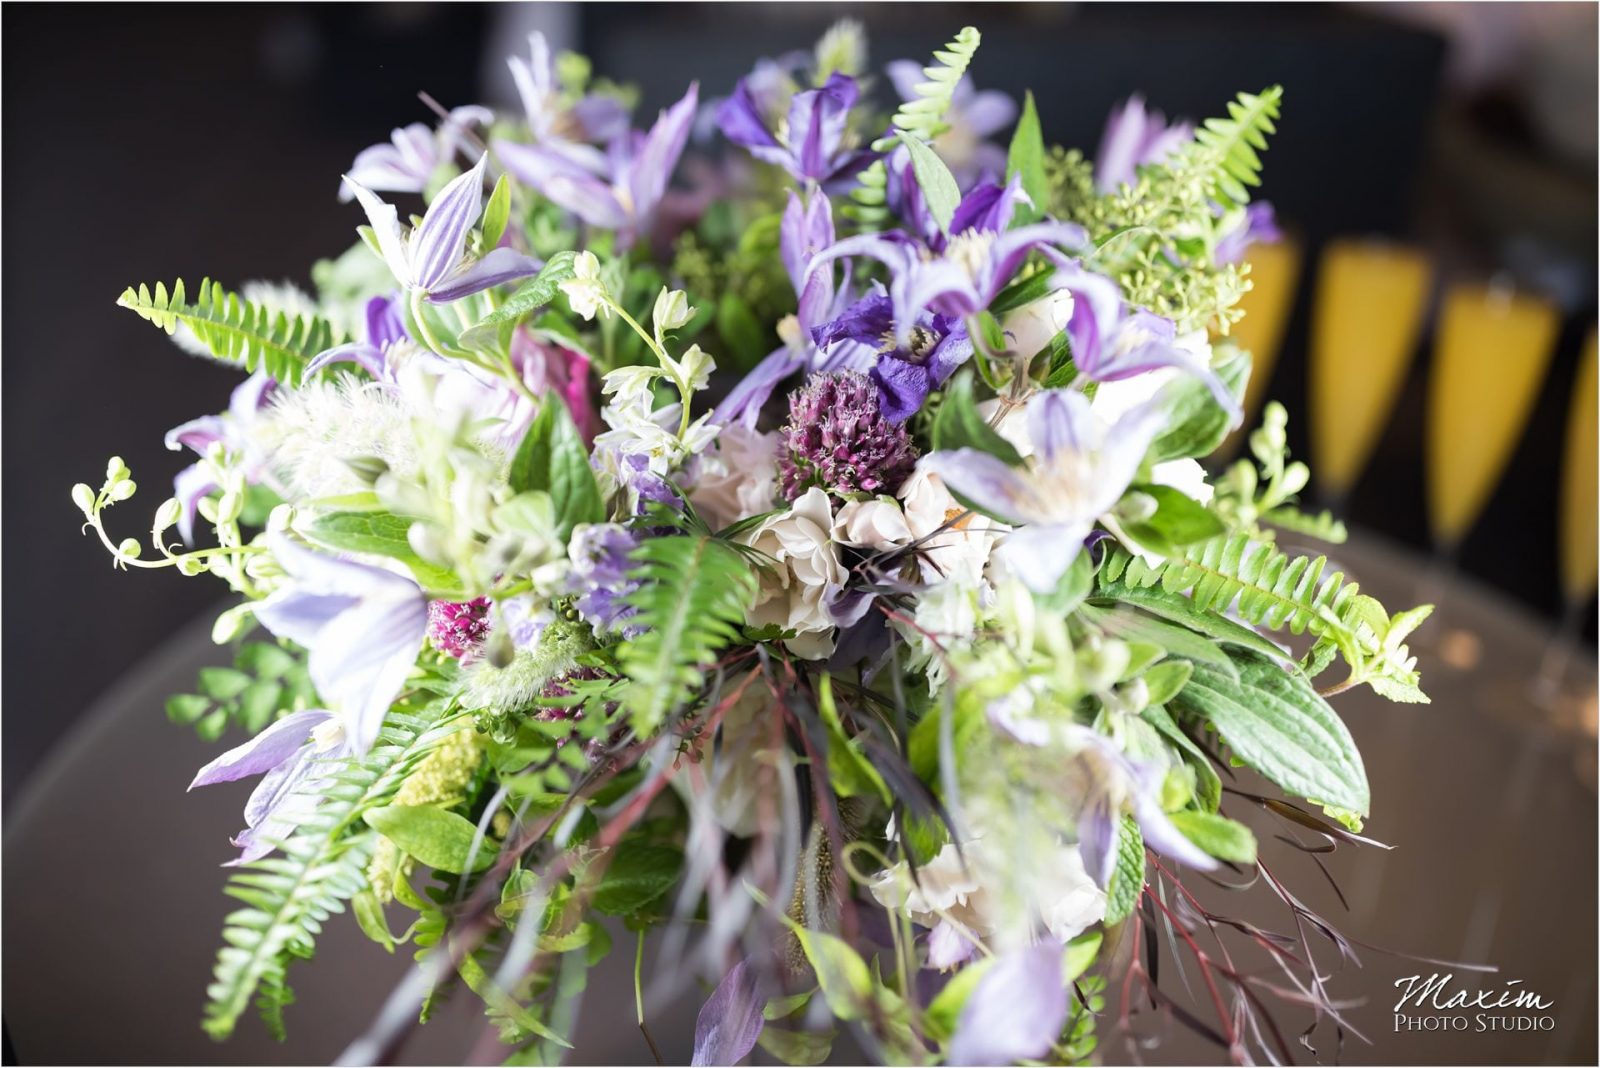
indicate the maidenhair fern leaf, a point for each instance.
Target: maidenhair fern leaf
{"x":234,"y":329}
{"x":1230,"y":145}
{"x":289,"y":896}
{"x":695,"y":591}
{"x":1268,"y":588}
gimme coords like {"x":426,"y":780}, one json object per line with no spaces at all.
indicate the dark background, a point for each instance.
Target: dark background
{"x":151,"y":143}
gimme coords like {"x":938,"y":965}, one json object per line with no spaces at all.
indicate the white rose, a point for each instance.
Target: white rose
{"x":739,"y":479}
{"x":957,"y":553}
{"x":872,"y":524}
{"x":793,"y":594}
{"x":1031,"y":327}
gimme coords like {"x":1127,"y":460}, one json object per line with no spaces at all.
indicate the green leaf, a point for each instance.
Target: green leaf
{"x":851,"y":774}
{"x":1177,"y":641}
{"x":1181,"y":610}
{"x":796,"y":1047}
{"x":1165,"y":680}
{"x":258,"y":702}
{"x":370,"y":917}
{"x":185,"y":708}
{"x":1219,"y":836}
{"x":1026,"y":158}
{"x":222,"y":684}
{"x":1023,"y":291}
{"x":1277,"y":724}
{"x":1177,"y":520}
{"x":552,"y":459}
{"x":940,"y":193}
{"x":1079,"y":954}
{"x":497,"y":212}
{"x":533,"y":294}
{"x":958,"y":425}
{"x":438,"y":838}
{"x":264,"y":660}
{"x":1208,"y":784}
{"x":740,"y":330}
{"x":845,"y":979}
{"x":381,"y":534}
{"x":1198,"y":422}
{"x":1127,"y":878}
{"x":636,"y":877}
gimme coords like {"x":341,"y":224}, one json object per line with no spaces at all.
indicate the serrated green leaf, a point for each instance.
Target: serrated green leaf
{"x":1277,"y":724}
{"x":533,"y":294}
{"x":438,"y":838}
{"x":1127,"y":878}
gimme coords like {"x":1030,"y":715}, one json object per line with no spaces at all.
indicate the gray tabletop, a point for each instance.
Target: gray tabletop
{"x":112,"y":890}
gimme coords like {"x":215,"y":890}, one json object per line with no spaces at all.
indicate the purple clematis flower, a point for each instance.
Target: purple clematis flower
{"x":559,"y":122}
{"x":1016,"y":1011}
{"x":730,"y":1021}
{"x":406,"y":162}
{"x":230,"y":428}
{"x":811,"y":143}
{"x":430,"y":259}
{"x":1135,"y":138}
{"x":962,"y":275}
{"x":1108,"y":783}
{"x":1259,"y":223}
{"x":904,"y":374}
{"x":973,"y":118}
{"x":620,"y":190}
{"x":807,"y":229}
{"x":1110,"y":342}
{"x":1079,"y":470}
{"x":362,"y":624}
{"x":290,"y":755}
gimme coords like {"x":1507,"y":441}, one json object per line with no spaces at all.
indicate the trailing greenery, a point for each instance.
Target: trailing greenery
{"x":694,"y":592}
{"x":321,"y":866}
{"x":265,"y":681}
{"x":234,"y":329}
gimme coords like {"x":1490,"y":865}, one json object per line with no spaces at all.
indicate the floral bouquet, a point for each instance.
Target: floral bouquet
{"x":804,"y":563}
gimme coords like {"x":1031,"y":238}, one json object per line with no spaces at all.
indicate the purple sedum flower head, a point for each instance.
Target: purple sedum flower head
{"x":406,"y":162}
{"x":1016,"y":1011}
{"x":730,"y":1021}
{"x":362,"y":624}
{"x":974,"y":117}
{"x":838,"y":437}
{"x":1107,"y":784}
{"x":1133,"y":138}
{"x":287,"y":754}
{"x":231,"y":428}
{"x":620,"y":190}
{"x":1078,"y":470}
{"x":905,"y":374}
{"x":432,"y":258}
{"x":1258,"y":224}
{"x":811,"y":142}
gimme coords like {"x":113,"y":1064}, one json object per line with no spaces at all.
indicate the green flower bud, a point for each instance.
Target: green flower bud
{"x":83,"y":497}
{"x":122,"y":489}
{"x":130,"y":548}
{"x":116,"y":470}
{"x":167,"y":514}
{"x":232,"y":623}
{"x":229,"y":506}
{"x":497,"y":648}
{"x":190,"y":566}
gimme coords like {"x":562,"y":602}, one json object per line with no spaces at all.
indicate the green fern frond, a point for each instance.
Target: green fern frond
{"x":869,"y":199}
{"x":693,"y":598}
{"x":234,"y":329}
{"x":923,"y":115}
{"x":290,"y":895}
{"x":1272,"y":589}
{"x":1323,"y":525}
{"x":1230,"y":145}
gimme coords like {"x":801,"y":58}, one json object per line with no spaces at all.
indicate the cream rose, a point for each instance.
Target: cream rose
{"x":794,"y":593}
{"x":737,"y":480}
{"x":957,"y":553}
{"x":878,"y":523}
{"x":1031,"y":327}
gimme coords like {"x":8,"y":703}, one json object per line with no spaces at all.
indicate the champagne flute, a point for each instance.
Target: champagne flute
{"x":1267,"y":306}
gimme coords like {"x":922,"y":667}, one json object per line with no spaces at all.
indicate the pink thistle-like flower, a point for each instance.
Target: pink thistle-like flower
{"x":838,"y":438}
{"x":457,"y":628}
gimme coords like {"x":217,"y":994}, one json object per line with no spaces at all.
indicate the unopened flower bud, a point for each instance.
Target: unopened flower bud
{"x":130,"y":548}
{"x":116,"y":469}
{"x":122,"y":489}
{"x":498,"y":648}
{"x":83,"y":497}
{"x":672,"y":309}
{"x":190,"y":566}
{"x":167,"y":514}
{"x":229,"y":506}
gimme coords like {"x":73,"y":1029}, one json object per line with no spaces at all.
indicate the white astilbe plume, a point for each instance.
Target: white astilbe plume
{"x":308,"y":434}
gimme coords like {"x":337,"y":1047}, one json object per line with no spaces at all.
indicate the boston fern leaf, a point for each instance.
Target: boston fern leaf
{"x":923,"y":115}
{"x":695,"y":591}
{"x":234,"y":329}
{"x":288,"y":896}
{"x":1230,"y":146}
{"x":1272,"y":589}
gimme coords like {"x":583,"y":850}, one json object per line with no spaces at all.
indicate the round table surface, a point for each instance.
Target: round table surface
{"x":113,"y":902}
